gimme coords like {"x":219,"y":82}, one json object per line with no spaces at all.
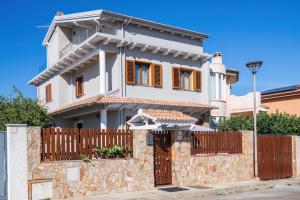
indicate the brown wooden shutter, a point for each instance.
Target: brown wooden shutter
{"x":156,"y":75}
{"x":176,"y":78}
{"x":197,"y":81}
{"x":48,"y":93}
{"x":130,"y":72}
{"x":79,"y":86}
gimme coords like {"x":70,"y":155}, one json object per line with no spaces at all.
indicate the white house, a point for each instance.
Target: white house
{"x":103,"y":67}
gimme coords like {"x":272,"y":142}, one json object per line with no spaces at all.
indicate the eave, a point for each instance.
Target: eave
{"x":91,"y":46}
{"x":97,"y":14}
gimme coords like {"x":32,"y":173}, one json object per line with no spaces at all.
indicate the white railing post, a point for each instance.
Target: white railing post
{"x":102,"y":71}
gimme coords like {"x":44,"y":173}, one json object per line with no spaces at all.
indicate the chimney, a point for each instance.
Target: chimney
{"x":217,"y":58}
{"x":59,"y":13}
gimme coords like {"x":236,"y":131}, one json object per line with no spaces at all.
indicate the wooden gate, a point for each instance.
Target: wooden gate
{"x":162,"y":158}
{"x":274,"y":157}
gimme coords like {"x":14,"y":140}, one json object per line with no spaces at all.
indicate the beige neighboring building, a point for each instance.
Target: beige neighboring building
{"x":285,"y":99}
{"x":243,"y":105}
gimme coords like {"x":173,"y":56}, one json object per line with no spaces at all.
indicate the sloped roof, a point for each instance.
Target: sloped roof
{"x":168,"y":115}
{"x":281,"y":89}
{"x":102,"y":99}
{"x":99,"y":13}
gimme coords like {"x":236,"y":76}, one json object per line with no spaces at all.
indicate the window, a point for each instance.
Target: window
{"x":143,"y":73}
{"x":79,"y":86}
{"x":213,"y":86}
{"x":217,"y":86}
{"x":48,"y":93}
{"x":186,"y":79}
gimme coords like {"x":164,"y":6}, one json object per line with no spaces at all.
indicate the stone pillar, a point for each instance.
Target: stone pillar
{"x":102,"y":71}
{"x":17,"y":170}
{"x":181,"y":156}
{"x":296,"y":155}
{"x":103,"y":119}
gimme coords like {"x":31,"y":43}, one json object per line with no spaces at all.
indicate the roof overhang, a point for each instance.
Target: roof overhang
{"x":151,"y":119}
{"x":266,"y":97}
{"x":102,"y":14}
{"x":115,"y":103}
{"x":91,"y":46}
{"x":232,"y":75}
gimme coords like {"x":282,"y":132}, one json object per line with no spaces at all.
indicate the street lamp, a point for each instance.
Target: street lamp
{"x":254,"y":67}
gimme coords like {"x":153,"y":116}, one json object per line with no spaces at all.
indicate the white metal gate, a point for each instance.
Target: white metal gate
{"x":3,"y":176}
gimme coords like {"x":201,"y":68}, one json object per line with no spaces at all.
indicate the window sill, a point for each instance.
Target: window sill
{"x":180,"y":90}
{"x":79,"y":95}
{"x":47,"y":102}
{"x":218,"y":100}
{"x":150,"y":86}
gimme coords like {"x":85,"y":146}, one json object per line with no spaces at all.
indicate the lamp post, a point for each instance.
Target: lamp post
{"x":254,"y":67}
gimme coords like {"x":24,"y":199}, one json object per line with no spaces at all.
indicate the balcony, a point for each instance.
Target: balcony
{"x":84,"y":36}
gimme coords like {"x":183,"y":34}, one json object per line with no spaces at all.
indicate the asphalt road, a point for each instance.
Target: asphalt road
{"x":283,"y":192}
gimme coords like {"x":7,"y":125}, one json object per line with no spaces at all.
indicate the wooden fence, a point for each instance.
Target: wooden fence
{"x":274,"y":157}
{"x":213,"y":142}
{"x":71,"y":143}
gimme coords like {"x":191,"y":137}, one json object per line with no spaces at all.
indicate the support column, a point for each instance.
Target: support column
{"x":102,"y":71}
{"x":17,"y":166}
{"x":217,"y":87}
{"x":103,"y":119}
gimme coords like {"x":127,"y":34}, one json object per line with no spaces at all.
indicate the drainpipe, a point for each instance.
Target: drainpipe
{"x":98,"y":24}
{"x":123,"y":55}
{"x":122,"y":52}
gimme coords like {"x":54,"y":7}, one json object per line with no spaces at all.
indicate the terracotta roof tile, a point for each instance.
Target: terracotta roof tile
{"x":100,"y":99}
{"x":168,"y":115}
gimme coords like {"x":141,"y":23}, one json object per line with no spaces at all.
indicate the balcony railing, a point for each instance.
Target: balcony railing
{"x":85,"y":35}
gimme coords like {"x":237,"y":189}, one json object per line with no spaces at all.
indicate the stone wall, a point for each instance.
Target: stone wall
{"x":78,"y":178}
{"x":189,"y":170}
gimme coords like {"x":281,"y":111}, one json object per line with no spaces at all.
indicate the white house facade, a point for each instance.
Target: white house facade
{"x":103,"y":67}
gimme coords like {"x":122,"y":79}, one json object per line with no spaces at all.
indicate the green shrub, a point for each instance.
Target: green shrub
{"x":19,"y":109}
{"x":113,"y":152}
{"x":276,"y":124}
{"x":85,"y":158}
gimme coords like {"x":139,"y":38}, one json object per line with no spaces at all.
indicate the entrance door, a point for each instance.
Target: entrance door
{"x":162,"y":158}
{"x":3,"y":178}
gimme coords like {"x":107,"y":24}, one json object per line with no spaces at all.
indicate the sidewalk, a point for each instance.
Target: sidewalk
{"x":196,"y":192}
{"x":199,"y":192}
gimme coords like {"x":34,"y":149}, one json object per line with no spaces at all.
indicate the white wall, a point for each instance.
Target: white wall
{"x":17,"y":169}
{"x":55,"y":85}
{"x":92,"y":120}
{"x":91,"y":80}
{"x":53,"y":49}
{"x":243,"y":103}
{"x":167,"y":92}
{"x":156,"y":38}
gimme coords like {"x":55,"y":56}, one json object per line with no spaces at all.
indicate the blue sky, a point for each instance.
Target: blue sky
{"x":242,"y":30}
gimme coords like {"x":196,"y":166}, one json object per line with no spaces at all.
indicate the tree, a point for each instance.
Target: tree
{"x":19,"y":109}
{"x":276,"y":124}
